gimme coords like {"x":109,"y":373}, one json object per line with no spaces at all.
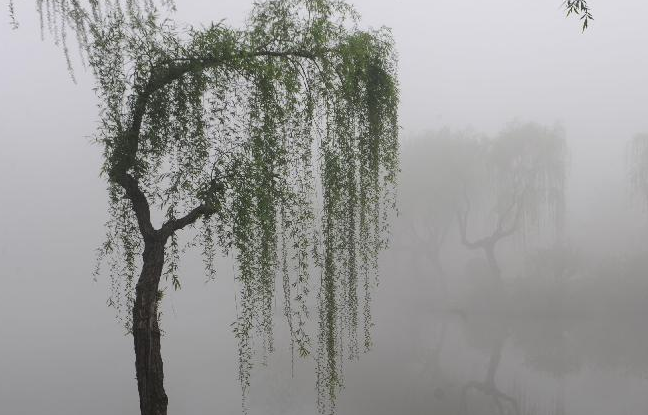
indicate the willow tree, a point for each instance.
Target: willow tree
{"x":278,"y":142}
{"x":518,"y":183}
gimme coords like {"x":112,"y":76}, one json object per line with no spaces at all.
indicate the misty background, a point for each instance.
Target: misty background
{"x":462,"y":65}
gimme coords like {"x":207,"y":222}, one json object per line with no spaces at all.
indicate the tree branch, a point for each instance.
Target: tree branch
{"x":175,"y":71}
{"x":579,"y":8}
{"x":125,"y":153}
{"x":500,"y":231}
{"x":196,"y":213}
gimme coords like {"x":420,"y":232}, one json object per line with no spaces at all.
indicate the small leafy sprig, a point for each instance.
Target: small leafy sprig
{"x":579,"y":8}
{"x":12,"y":15}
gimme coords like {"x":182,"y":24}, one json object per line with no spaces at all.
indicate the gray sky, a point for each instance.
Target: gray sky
{"x":462,"y":63}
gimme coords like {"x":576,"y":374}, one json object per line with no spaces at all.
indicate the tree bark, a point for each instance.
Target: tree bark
{"x":146,"y":331}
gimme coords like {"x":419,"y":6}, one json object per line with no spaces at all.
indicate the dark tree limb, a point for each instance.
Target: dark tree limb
{"x":124,"y":157}
{"x":196,"y":213}
{"x":501,"y":231}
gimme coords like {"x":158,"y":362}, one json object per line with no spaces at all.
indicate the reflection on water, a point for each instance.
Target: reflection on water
{"x":470,"y":364}
{"x":483,"y":365}
{"x":557,"y":342}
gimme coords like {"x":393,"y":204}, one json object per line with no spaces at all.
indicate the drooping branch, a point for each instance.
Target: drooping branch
{"x":579,"y":8}
{"x":124,"y":156}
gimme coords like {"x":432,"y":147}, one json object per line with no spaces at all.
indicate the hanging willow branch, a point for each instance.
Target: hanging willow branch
{"x":579,"y":8}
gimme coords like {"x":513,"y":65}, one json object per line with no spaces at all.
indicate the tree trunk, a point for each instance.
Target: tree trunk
{"x":146,"y":332}
{"x":489,"y":250}
{"x":494,"y":362}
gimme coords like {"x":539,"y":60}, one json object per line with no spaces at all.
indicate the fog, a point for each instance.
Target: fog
{"x":560,"y":330}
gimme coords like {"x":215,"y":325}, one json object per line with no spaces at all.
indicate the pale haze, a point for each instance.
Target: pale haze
{"x":473,"y":64}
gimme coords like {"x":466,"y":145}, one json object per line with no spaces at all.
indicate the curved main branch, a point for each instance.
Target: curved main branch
{"x":124,"y":156}
{"x":501,"y":231}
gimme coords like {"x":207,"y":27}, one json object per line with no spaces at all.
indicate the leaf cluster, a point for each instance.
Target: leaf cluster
{"x":579,"y":8}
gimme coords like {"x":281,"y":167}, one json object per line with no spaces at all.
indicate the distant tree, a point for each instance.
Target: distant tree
{"x":433,"y":170}
{"x":637,"y":164}
{"x":227,"y":131}
{"x":519,"y":181}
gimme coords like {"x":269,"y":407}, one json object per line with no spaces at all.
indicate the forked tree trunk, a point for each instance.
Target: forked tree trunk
{"x":146,"y":332}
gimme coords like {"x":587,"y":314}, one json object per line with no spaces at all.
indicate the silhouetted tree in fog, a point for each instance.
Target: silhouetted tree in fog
{"x":518,"y":181}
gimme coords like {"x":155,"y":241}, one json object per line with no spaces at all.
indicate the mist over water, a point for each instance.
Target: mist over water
{"x":563,"y":332}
